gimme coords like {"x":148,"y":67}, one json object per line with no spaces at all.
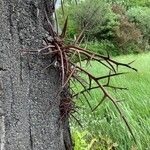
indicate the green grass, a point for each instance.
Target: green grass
{"x":135,"y":103}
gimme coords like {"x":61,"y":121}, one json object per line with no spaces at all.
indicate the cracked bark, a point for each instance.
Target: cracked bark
{"x":26,"y":92}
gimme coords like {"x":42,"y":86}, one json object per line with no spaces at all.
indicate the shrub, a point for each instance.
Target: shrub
{"x":141,"y":16}
{"x":96,"y":18}
{"x":127,"y":33}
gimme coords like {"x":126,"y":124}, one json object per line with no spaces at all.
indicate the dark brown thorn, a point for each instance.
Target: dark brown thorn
{"x":115,"y":88}
{"x":66,"y":62}
{"x":81,"y":40}
{"x":87,"y":101}
{"x":101,"y":56}
{"x":56,"y":22}
{"x":94,"y":58}
{"x":50,"y":27}
{"x":108,"y":54}
{"x":87,"y":51}
{"x":81,"y":84}
{"x":62,"y":63}
{"x":73,"y":82}
{"x":122,"y":64}
{"x":73,"y":55}
{"x":111,"y":65}
{"x":90,"y":82}
{"x":111,"y":75}
{"x":108,"y":82}
{"x":79,"y":81}
{"x":82,"y":80}
{"x":68,"y":79}
{"x":85,"y":90}
{"x":99,"y":103}
{"x":77,"y":120}
{"x":117,"y":68}
{"x":64,"y":30}
{"x":80,"y":100}
{"x":131,"y":62}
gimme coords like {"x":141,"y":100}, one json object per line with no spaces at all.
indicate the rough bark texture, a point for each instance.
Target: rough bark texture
{"x":25,"y":91}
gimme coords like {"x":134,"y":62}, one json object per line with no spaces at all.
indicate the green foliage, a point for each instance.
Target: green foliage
{"x":79,"y":140}
{"x":126,"y":34}
{"x":83,"y":140}
{"x":101,"y":47}
{"x":96,"y":18}
{"x":135,"y":103}
{"x":141,"y":16}
{"x":103,"y":22}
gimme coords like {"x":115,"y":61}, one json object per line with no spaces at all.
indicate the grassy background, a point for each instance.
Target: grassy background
{"x":105,"y":124}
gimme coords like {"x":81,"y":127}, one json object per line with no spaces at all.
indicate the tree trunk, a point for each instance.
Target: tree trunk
{"x":26,"y":92}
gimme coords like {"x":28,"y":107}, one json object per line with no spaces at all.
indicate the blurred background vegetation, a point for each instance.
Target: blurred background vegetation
{"x":116,"y":26}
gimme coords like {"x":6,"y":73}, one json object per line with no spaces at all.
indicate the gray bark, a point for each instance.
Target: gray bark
{"x":25,"y":91}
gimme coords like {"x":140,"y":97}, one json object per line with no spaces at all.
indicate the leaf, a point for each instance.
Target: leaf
{"x":91,"y":143}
